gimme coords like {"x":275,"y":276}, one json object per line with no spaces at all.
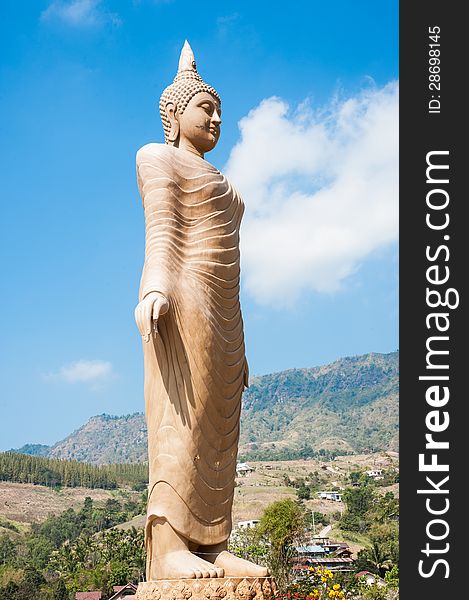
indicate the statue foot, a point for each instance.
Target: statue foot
{"x":182,"y":564}
{"x":238,"y":567}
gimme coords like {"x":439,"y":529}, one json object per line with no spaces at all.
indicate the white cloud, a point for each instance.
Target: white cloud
{"x":225,"y":22}
{"x":321,"y":191}
{"x":82,"y":371}
{"x":79,"y":13}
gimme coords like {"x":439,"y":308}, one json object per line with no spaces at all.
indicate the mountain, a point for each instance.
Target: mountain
{"x":106,"y":439}
{"x":33,"y":449}
{"x":350,"y":405}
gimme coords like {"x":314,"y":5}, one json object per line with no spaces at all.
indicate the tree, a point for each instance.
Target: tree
{"x":7,"y":550}
{"x":9,"y":592}
{"x":392,"y":577}
{"x":375,"y":558}
{"x":359,"y":502}
{"x":29,"y":587}
{"x":248,"y":544}
{"x":386,"y":508}
{"x":39,"y":551}
{"x":315,"y":519}
{"x":303,"y":493}
{"x":98,"y":562}
{"x":283,"y":524}
{"x":120,"y":573}
{"x":61,"y":592}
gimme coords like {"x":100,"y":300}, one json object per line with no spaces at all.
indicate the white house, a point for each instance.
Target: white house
{"x":335,"y":496}
{"x":248,"y":524}
{"x":243,"y":469}
{"x":375,"y":473}
{"x":371,"y":578}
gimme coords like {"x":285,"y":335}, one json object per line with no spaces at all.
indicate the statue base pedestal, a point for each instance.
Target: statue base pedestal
{"x":223,"y":588}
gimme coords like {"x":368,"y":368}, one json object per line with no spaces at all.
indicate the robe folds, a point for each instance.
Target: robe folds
{"x":195,"y":367}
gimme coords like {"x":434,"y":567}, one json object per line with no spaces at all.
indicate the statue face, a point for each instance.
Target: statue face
{"x":199,"y":125}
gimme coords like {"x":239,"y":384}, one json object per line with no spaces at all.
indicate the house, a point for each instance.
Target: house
{"x":248,"y":524}
{"x":331,"y":546}
{"x":371,"y":578}
{"x":118,"y":591}
{"x":336,"y":556}
{"x":311,"y":550}
{"x":335,"y":496}
{"x":375,"y":474}
{"x":316,"y":539}
{"x":124,"y":591}
{"x":343,"y":553}
{"x":243,"y":469}
{"x":331,"y":563}
{"x":324,"y":546}
{"x":322,"y":551}
{"x":305,"y":553}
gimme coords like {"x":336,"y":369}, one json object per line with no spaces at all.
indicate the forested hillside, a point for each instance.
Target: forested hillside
{"x":21,"y":468}
{"x":350,"y":405}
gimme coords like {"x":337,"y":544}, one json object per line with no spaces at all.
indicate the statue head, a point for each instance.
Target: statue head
{"x":190,"y":109}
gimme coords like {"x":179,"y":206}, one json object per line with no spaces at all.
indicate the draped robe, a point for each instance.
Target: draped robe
{"x":195,"y":367}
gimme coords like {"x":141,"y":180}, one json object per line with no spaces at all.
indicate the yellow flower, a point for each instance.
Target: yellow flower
{"x":336,"y":586}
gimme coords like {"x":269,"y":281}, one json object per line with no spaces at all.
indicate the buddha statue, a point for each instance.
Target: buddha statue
{"x":189,"y":316}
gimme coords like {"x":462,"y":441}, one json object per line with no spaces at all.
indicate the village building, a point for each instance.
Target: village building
{"x":309,"y":551}
{"x":375,"y":474}
{"x":334,"y":496}
{"x":248,"y":524}
{"x":371,"y":578}
{"x":339,"y":564}
{"x":336,"y":556}
{"x":334,"y":563}
{"x":124,"y":591}
{"x":243,"y":469}
{"x":127,"y":591}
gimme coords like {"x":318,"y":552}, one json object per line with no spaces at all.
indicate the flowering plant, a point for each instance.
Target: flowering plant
{"x":317,"y":585}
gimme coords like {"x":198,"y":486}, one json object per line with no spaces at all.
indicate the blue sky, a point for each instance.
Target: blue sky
{"x":309,"y":137}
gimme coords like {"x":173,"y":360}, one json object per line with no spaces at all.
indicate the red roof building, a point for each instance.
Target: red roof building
{"x":88,"y":595}
{"x":124,"y":591}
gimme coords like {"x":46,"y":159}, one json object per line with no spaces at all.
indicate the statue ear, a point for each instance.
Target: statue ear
{"x":170,"y":110}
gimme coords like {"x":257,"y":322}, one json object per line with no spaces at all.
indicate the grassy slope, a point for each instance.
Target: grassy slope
{"x":24,"y":503}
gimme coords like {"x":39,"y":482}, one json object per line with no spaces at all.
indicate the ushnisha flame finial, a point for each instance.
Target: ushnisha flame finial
{"x":185,"y":86}
{"x":187,"y":60}
{"x":187,"y":67}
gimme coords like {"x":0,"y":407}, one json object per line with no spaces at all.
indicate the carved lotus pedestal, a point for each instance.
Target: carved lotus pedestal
{"x":225,"y":588}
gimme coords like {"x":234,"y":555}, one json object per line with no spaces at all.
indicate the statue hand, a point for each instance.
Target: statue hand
{"x":147,"y":313}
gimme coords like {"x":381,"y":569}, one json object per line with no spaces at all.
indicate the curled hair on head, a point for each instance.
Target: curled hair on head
{"x":185,"y":86}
